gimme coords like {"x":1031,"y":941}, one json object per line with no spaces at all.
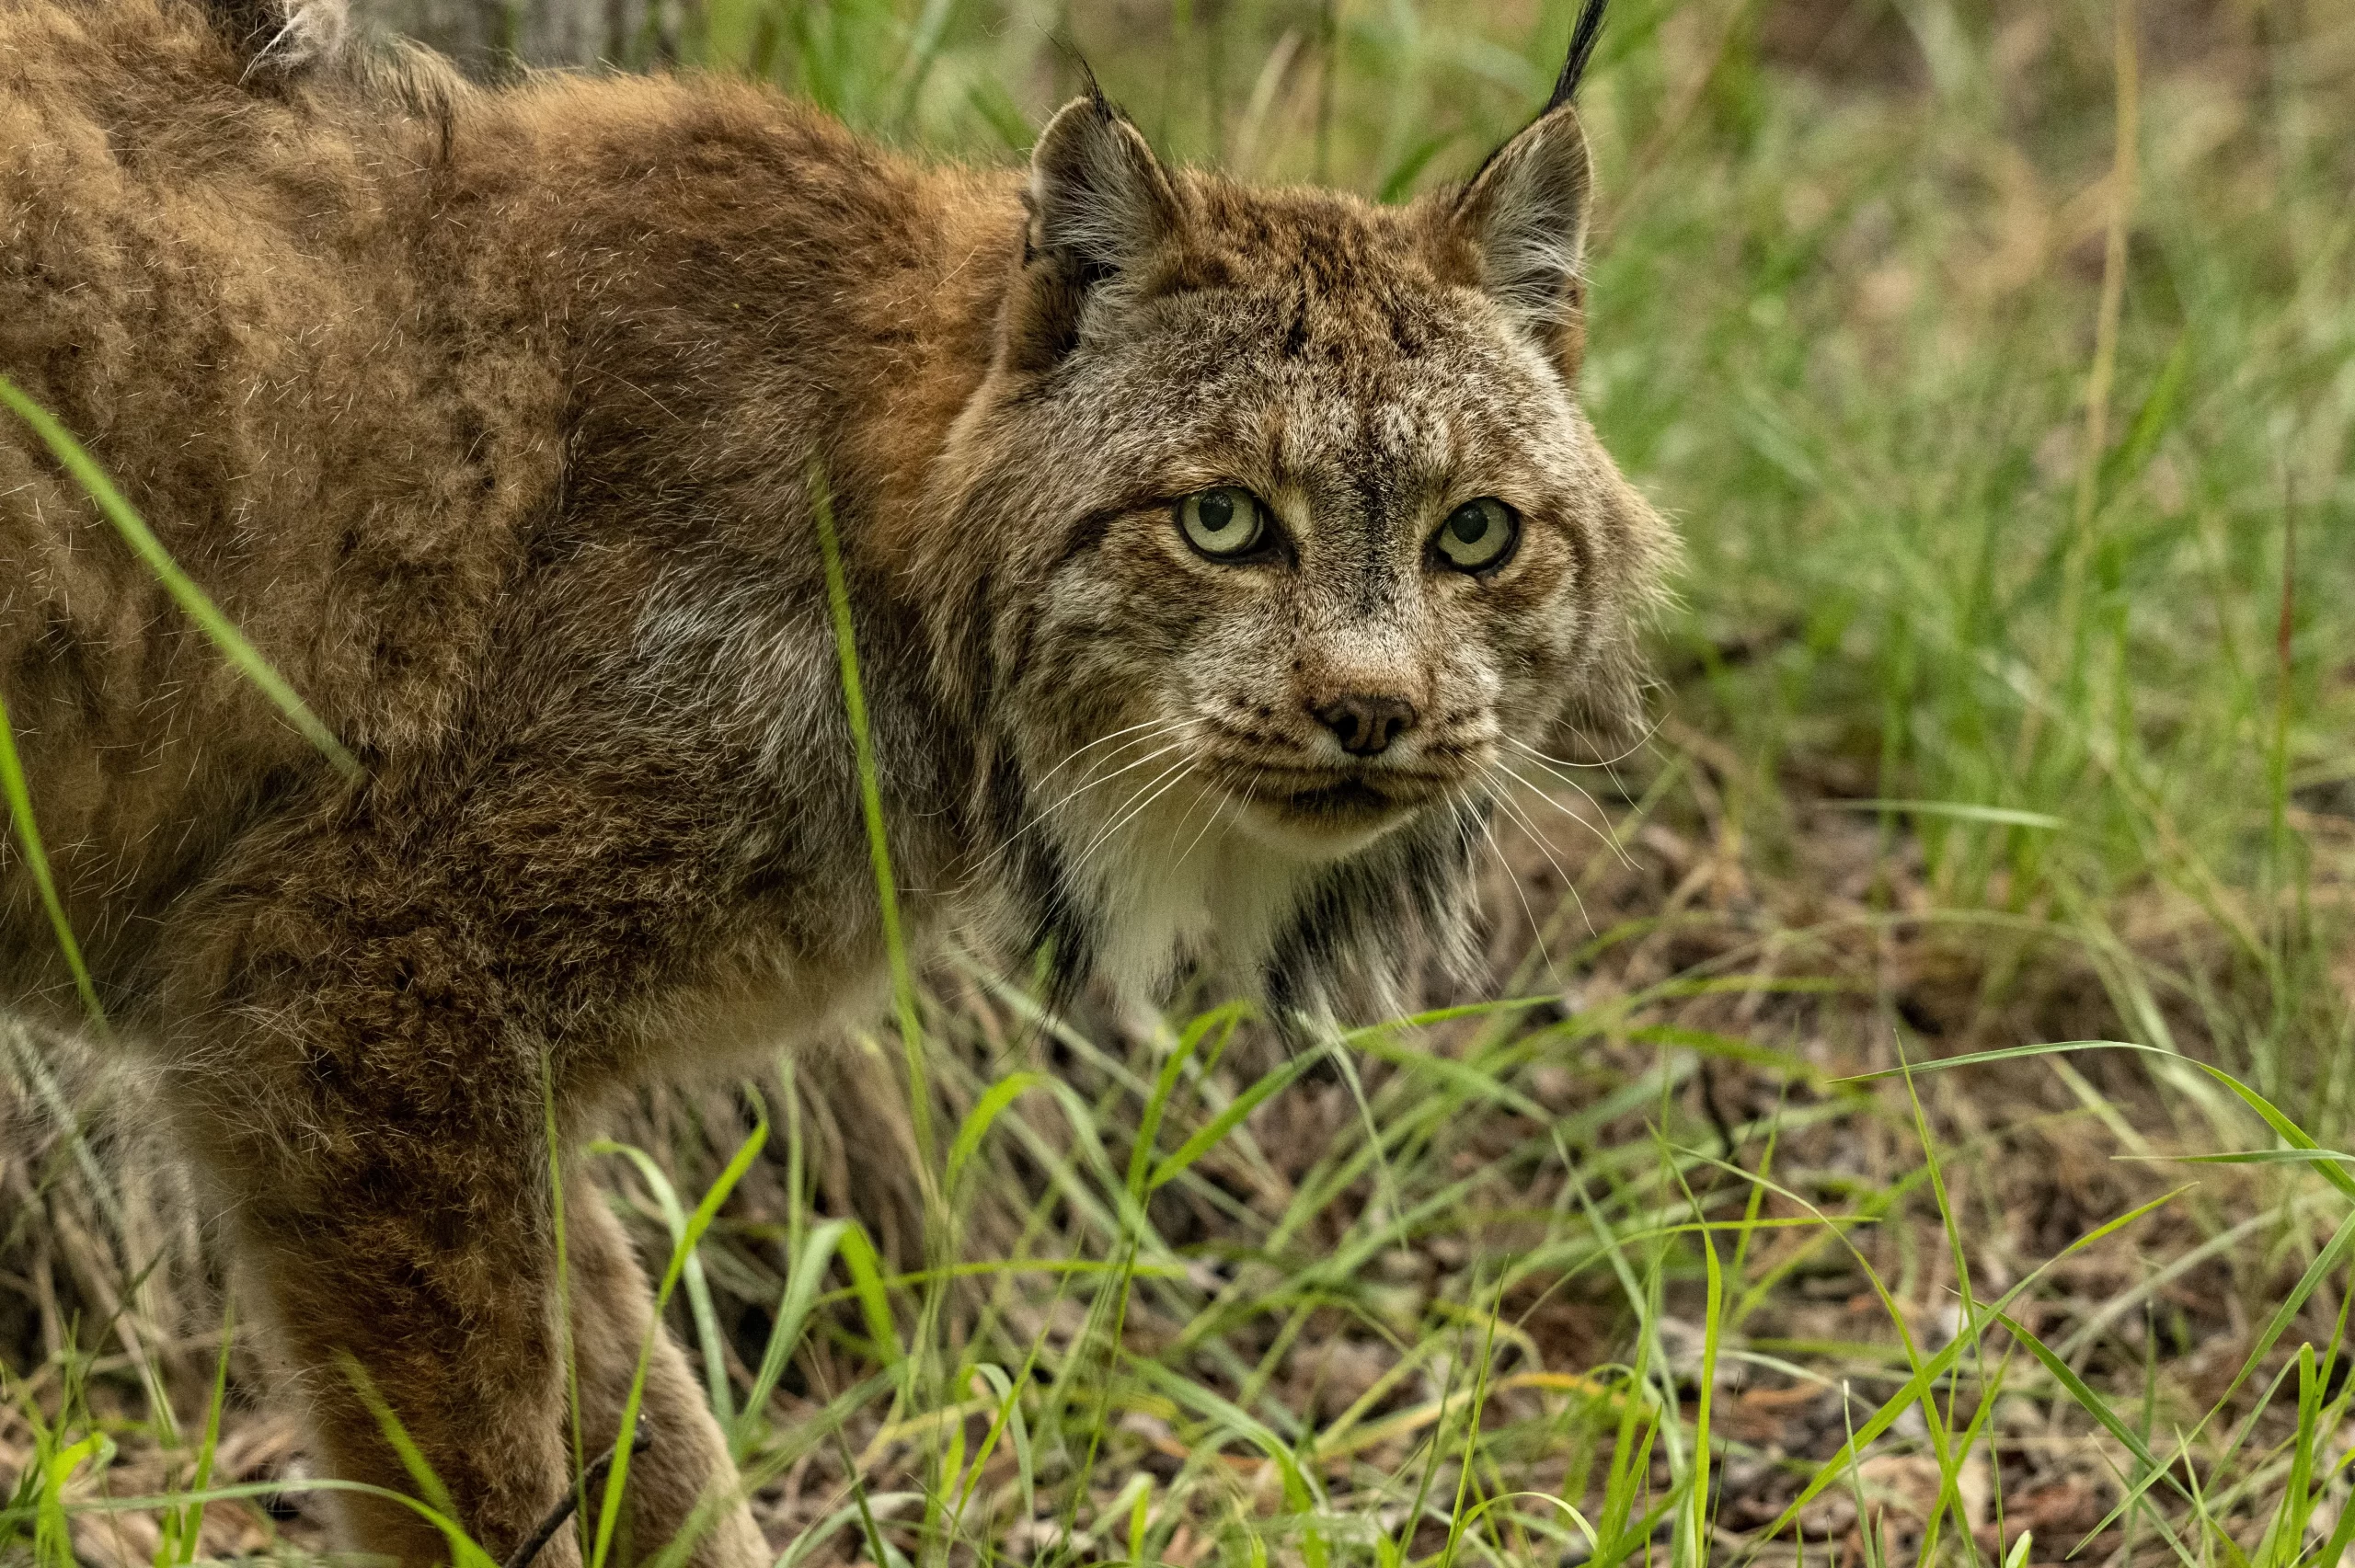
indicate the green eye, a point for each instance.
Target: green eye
{"x":1478,"y":534}
{"x":1222,"y":523}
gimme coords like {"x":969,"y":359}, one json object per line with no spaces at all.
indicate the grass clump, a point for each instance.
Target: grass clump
{"x":1997,"y":362}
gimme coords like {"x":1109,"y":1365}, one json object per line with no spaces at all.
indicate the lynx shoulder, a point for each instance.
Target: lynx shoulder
{"x":1209,"y":552}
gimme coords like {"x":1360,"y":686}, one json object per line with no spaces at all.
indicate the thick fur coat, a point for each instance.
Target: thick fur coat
{"x":495,"y":419}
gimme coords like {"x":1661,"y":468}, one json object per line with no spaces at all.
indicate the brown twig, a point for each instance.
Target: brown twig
{"x":592,"y":1479}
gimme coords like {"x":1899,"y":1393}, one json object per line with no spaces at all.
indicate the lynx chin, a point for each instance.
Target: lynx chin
{"x":1209,"y":549}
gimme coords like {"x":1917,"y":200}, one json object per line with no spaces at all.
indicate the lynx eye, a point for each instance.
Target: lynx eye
{"x":1478,"y":535}
{"x":1222,"y":523}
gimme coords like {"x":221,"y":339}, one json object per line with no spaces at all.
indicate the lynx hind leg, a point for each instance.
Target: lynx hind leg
{"x":683,"y":1478}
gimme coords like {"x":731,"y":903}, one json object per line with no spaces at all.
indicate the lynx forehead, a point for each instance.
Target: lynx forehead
{"x":1209,"y":552}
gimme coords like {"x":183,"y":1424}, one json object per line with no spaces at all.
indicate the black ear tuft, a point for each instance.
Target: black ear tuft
{"x":1525,"y":210}
{"x":1583,"y":37}
{"x":1094,"y":88}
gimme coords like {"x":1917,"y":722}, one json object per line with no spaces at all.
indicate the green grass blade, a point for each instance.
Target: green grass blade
{"x":801,"y":1295}
{"x":1214,"y":1132}
{"x":2271,"y":1115}
{"x":434,"y":1501}
{"x":192,"y":599}
{"x":29,"y":842}
{"x":1959,"y":810}
{"x":188,"y":1524}
{"x":985,"y":1111}
{"x":617,"y":1478}
{"x":870,"y":801}
{"x":698,"y":1289}
{"x":2094,"y":1405}
{"x":1925,"y":1374}
{"x":865,"y":1266}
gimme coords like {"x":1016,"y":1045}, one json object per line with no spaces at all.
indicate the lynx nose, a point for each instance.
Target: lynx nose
{"x":1366,"y":724}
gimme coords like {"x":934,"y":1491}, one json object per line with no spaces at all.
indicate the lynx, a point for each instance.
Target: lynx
{"x":1208,"y":550}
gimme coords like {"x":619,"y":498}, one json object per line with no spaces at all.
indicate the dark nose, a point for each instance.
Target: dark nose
{"x":1367,"y":724}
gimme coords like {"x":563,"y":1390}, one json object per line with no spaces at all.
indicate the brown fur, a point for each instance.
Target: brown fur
{"x":491,"y":417}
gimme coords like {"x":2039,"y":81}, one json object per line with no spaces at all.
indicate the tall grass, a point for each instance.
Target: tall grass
{"x":1752,"y":1219}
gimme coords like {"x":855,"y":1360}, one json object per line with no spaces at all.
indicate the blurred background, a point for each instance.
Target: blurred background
{"x":1997,"y":361}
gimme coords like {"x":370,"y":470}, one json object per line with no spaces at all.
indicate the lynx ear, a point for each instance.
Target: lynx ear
{"x":1096,"y":193}
{"x":1099,"y":203}
{"x":1525,"y":215}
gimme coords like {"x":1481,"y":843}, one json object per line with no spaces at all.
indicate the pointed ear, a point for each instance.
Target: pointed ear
{"x":1099,"y":204}
{"x":1524,"y":215}
{"x":1096,"y":193}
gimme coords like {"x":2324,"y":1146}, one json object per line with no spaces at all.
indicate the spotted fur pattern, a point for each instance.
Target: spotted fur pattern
{"x":499,"y":419}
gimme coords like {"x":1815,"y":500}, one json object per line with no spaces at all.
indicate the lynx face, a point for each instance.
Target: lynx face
{"x":1336,"y":558}
{"x":1303,"y":533}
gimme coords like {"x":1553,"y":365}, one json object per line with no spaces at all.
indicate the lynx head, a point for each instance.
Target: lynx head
{"x":1285,"y":529}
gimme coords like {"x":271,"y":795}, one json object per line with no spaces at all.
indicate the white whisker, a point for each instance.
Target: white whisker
{"x":1080,"y":751}
{"x":1093,"y":779}
{"x":1610,"y":839}
{"x":1570,"y":884}
{"x":1137,"y":800}
{"x":1225,"y":795}
{"x":1226,"y":798}
{"x":1183,"y":768}
{"x":1040,"y":816}
{"x":1529,"y":827}
{"x":1536,"y":931}
{"x":1641,"y":741}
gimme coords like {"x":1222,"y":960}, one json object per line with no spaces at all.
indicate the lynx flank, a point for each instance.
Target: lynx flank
{"x":1208,"y":551}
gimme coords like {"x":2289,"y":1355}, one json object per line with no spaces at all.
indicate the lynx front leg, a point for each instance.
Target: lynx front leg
{"x":405,"y":1269}
{"x":684,"y":1479}
{"x":386,"y":1191}
{"x":363,"y":1010}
